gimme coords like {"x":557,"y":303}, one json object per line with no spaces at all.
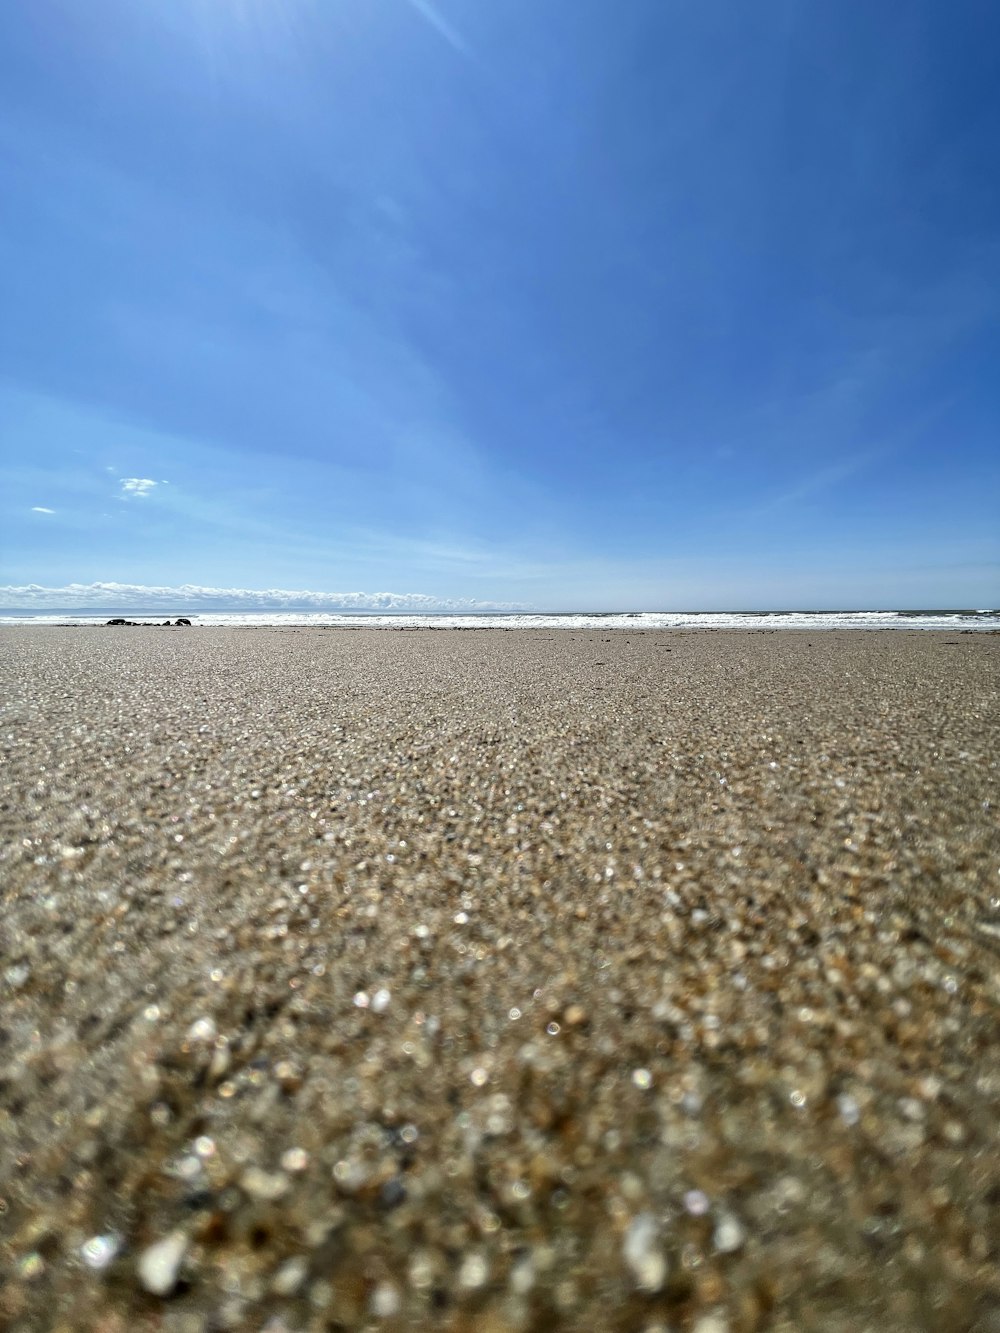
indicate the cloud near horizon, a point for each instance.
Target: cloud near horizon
{"x":137,"y":485}
{"x":41,"y":509}
{"x":190,"y":596}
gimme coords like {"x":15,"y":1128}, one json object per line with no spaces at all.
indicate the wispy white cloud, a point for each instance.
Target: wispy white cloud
{"x":432,"y":15}
{"x":137,"y":485}
{"x":823,"y":479}
{"x":121,"y":596}
{"x":41,"y":509}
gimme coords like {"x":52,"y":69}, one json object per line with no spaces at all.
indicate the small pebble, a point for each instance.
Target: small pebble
{"x":289,"y":1277}
{"x":729,"y":1235}
{"x":32,"y":1266}
{"x":266,"y":1185}
{"x":160,"y":1264}
{"x":711,"y":1323}
{"x":696,"y":1203}
{"x":203,"y":1029}
{"x":643,"y":1253}
{"x":98,"y":1252}
{"x":850,"y":1111}
{"x":474,"y":1271}
{"x":385,"y":1301}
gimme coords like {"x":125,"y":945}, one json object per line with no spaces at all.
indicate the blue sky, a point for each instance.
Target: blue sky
{"x":664,"y":304}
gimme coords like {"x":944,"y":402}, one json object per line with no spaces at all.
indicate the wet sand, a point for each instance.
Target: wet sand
{"x":499,"y":981}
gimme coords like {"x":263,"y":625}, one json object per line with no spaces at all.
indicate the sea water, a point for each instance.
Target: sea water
{"x":983,"y":619}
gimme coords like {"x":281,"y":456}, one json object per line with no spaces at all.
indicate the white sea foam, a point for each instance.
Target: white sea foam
{"x":645,"y":620}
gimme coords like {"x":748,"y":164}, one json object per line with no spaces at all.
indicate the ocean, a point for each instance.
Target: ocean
{"x":953,"y":620}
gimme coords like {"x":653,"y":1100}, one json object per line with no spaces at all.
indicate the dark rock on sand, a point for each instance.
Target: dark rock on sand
{"x":180,"y":622}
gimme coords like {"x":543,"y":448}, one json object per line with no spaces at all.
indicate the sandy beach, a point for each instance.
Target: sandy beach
{"x":499,"y":982}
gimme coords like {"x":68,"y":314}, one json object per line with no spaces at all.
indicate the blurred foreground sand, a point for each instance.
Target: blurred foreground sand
{"x":499,"y":981}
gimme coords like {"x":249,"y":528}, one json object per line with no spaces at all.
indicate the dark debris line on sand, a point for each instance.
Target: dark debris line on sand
{"x":411,"y":981}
